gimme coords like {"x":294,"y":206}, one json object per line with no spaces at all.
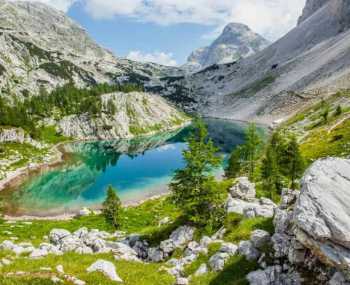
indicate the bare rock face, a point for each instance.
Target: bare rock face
{"x":322,"y":213}
{"x":135,"y":114}
{"x":311,"y":7}
{"x":236,"y":41}
{"x":41,"y":46}
{"x":310,"y":60}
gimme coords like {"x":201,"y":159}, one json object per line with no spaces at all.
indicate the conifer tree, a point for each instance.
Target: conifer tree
{"x":295,"y":161}
{"x":112,"y":207}
{"x":252,"y":148}
{"x":191,"y":186}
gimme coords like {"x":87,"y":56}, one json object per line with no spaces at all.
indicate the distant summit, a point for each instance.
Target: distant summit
{"x":236,"y":41}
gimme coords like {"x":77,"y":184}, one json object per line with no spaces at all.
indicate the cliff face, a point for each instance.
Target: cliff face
{"x":42,"y":47}
{"x":124,"y":116}
{"x":310,"y":8}
{"x":312,"y":59}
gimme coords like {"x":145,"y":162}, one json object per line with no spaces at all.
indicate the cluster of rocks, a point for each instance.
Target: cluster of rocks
{"x":242,"y":200}
{"x":311,"y":243}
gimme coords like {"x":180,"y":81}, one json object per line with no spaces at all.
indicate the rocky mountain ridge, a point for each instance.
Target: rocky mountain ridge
{"x":41,"y":47}
{"x":310,"y":60}
{"x":236,"y":41}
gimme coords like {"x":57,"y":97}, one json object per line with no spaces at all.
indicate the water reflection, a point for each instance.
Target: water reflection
{"x":138,"y":168}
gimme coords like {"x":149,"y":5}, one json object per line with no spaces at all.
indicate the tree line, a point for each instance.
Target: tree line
{"x":63,"y":101}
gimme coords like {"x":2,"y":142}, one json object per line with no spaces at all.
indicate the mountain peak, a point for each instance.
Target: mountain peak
{"x":236,"y":41}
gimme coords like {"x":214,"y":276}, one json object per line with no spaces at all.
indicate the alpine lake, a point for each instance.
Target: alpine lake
{"x":139,"y":168}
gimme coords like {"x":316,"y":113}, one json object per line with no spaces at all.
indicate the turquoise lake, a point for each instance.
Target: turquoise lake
{"x":138,"y":168}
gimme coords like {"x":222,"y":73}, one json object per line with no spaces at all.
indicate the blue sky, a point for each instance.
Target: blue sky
{"x":124,"y":35}
{"x":167,"y":31}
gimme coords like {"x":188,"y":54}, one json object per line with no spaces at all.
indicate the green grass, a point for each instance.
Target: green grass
{"x":132,"y":273}
{"x":49,"y":135}
{"x":234,"y":273}
{"x":318,"y":136}
{"x":240,"y":228}
{"x":321,"y":143}
{"x":143,"y":219}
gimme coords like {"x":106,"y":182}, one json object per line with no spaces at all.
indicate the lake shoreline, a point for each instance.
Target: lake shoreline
{"x":16,"y":176}
{"x":57,"y":158}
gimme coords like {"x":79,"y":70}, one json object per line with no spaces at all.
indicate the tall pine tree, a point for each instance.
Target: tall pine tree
{"x":191,"y":186}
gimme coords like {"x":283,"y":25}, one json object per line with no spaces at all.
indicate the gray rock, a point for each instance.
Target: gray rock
{"x":260,"y":238}
{"x":203,"y":269}
{"x":107,"y":268}
{"x":155,"y":254}
{"x":182,"y":235}
{"x":281,"y":244}
{"x":167,"y":246}
{"x":51,"y":249}
{"x":247,"y":249}
{"x":229,"y":248}
{"x":218,"y":260}
{"x":123,"y":251}
{"x":81,"y":233}
{"x":283,"y":221}
{"x":322,"y":212}
{"x":83,"y":249}
{"x":38,"y":253}
{"x":56,"y":235}
{"x":273,"y":275}
{"x":243,"y":189}
{"x":70,"y":243}
{"x":288,"y":198}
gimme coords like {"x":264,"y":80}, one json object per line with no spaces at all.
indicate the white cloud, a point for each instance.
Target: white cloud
{"x":156,"y":57}
{"x":272,"y":18}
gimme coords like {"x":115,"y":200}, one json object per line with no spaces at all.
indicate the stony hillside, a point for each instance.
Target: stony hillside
{"x":312,"y":58}
{"x":42,"y":47}
{"x":236,"y":41}
{"x":124,"y":115}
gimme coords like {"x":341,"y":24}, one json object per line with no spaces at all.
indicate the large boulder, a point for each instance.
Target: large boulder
{"x":322,"y":212}
{"x":105,"y":267}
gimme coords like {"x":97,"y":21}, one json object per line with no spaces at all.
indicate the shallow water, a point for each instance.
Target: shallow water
{"x":138,"y":168}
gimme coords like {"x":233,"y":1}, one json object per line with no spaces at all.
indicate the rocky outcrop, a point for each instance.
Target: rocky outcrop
{"x":236,"y":41}
{"x":311,"y":240}
{"x":241,"y":200}
{"x":134,"y":114}
{"x":322,"y":214}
